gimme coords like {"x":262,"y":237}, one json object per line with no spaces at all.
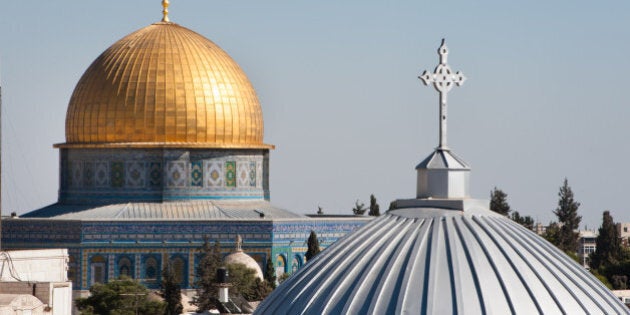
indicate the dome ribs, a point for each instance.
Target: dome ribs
{"x":341,"y":262}
{"x":362,"y":268}
{"x":164,"y":86}
{"x":303,"y":278}
{"x":514,"y":278}
{"x":478,"y":304}
{"x":488,"y":261}
{"x":561,"y":269}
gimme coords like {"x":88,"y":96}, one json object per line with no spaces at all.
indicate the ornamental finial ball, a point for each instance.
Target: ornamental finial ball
{"x":165,"y":4}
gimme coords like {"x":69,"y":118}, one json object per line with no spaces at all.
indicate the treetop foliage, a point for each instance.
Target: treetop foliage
{"x":375,"y":209}
{"x":359,"y":208}
{"x":171,"y":292}
{"x":211,"y":260}
{"x":270,"y":273}
{"x":498,"y":202}
{"x":119,"y":297}
{"x":608,"y":252}
{"x":313,"y":246}
{"x":568,"y":219}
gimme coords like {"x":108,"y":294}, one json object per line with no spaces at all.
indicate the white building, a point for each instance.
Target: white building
{"x":587,"y":246}
{"x":35,"y":282}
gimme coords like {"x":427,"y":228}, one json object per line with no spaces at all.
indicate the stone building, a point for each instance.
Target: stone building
{"x":164,"y":145}
{"x":35,"y":282}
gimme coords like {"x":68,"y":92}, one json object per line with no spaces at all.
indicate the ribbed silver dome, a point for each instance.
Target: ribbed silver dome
{"x":438,"y":261}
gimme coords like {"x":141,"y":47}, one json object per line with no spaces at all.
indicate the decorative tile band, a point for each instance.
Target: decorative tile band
{"x":152,"y":174}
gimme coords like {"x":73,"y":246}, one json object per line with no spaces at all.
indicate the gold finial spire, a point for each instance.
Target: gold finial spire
{"x":165,"y":4}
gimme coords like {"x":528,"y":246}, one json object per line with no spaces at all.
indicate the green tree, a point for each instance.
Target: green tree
{"x":568,"y":219}
{"x":262,"y":289}
{"x":498,"y":202}
{"x":206,"y":274}
{"x":375,"y":209}
{"x":552,"y":233}
{"x":270,"y":273}
{"x":245,"y":283}
{"x":392,"y":205}
{"x":313,"y":246}
{"x":526,"y":221}
{"x":283,"y":277}
{"x":119,"y":297}
{"x":171,"y":292}
{"x":608,"y":244}
{"x":359,"y":208}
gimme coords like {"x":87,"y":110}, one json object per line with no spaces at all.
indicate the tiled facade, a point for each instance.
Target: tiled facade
{"x":101,"y":175}
{"x":100,"y":251}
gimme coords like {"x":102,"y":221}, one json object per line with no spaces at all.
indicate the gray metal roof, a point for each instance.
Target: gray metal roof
{"x":170,"y":210}
{"x":443,"y":159}
{"x":438,"y":261}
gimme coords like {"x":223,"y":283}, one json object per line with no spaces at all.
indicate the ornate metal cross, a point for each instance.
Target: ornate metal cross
{"x":443,"y":80}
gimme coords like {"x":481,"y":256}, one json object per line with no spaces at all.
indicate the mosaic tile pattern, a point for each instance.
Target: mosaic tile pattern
{"x":135,"y":174}
{"x":155,"y":174}
{"x":88,"y":174}
{"x":176,"y":174}
{"x":196,"y":173}
{"x":252,"y":174}
{"x":230,"y":174}
{"x":101,"y":174}
{"x":213,"y":174}
{"x":259,"y":174}
{"x":89,"y":239}
{"x":76,"y":177}
{"x":117,"y":174}
{"x":242,"y":173}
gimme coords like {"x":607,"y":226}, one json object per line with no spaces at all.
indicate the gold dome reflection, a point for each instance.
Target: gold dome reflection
{"x":164,"y":86}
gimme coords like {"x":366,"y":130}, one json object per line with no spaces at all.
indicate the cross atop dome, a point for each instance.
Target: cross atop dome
{"x":442,"y":175}
{"x":443,"y":80}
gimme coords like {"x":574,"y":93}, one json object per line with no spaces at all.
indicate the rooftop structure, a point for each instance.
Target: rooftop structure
{"x":442,"y":253}
{"x":164,"y":145}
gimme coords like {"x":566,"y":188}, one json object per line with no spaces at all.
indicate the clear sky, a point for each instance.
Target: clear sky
{"x":546,"y":96}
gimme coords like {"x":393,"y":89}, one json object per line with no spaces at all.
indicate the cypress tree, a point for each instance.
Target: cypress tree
{"x":568,"y":219}
{"x":498,"y":202}
{"x":375,"y":209}
{"x":206,"y":273}
{"x":270,"y":273}
{"x":608,"y":250}
{"x":171,"y":292}
{"x":313,"y":246}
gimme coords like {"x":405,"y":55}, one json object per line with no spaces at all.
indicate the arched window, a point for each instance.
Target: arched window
{"x":97,"y":269}
{"x":179,"y":269}
{"x":150,"y":269}
{"x":125,"y":268}
{"x":281,"y":264}
{"x":296,"y":264}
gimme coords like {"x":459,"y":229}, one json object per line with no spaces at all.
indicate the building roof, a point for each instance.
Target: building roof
{"x":443,"y":159}
{"x":439,"y":261}
{"x":164,"y":86}
{"x":172,"y":210}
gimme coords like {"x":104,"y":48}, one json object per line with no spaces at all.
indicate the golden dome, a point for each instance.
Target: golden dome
{"x":164,"y":86}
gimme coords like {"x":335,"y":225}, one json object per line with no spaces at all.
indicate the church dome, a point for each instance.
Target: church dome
{"x":438,"y":261}
{"x":164,"y":86}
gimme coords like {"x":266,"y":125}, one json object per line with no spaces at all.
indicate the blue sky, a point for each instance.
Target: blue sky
{"x":545,"y":97}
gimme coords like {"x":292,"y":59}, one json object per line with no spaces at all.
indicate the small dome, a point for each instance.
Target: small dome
{"x":239,"y":257}
{"x":164,"y":86}
{"x":437,"y":261}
